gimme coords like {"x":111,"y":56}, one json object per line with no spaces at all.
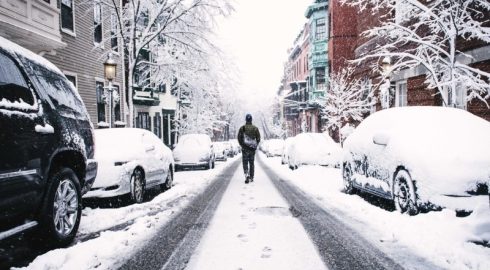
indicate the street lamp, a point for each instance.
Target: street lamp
{"x":385,"y":87}
{"x":110,"y":72}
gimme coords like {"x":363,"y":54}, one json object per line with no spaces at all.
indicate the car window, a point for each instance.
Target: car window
{"x":14,"y":91}
{"x":61,"y":93}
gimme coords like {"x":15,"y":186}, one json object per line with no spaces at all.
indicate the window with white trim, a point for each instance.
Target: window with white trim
{"x":401,"y":94}
{"x":97,"y":23}
{"x":114,"y":43}
{"x":67,"y":15}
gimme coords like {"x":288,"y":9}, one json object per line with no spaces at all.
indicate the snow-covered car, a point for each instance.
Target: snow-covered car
{"x":194,"y":150}
{"x":420,"y":157}
{"x":221,"y":151}
{"x":274,"y":147}
{"x":314,"y":149}
{"x":229,"y":149}
{"x":235,"y":146}
{"x":287,"y":143}
{"x":131,"y":161}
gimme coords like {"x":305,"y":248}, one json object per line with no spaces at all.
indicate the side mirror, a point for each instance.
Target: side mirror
{"x":381,"y":139}
{"x":150,"y":148}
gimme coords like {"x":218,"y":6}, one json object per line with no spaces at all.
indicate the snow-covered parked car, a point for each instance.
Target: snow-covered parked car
{"x":313,"y":149}
{"x":194,"y":150}
{"x":274,"y":147}
{"x":46,"y":148}
{"x":131,"y":161}
{"x":420,"y":157}
{"x":235,"y":146}
{"x":284,"y":156}
{"x":221,"y":151}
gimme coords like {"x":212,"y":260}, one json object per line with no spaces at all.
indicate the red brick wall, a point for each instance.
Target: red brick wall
{"x":343,"y":34}
{"x":477,"y":106}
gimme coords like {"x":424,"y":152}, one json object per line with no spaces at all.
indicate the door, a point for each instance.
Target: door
{"x":23,"y":139}
{"x":155,"y":159}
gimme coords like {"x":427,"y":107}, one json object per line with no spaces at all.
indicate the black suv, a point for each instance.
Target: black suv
{"x":46,"y":148}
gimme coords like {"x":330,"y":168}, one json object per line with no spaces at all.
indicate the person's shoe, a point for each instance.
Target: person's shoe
{"x":251,"y":179}
{"x":247,"y":180}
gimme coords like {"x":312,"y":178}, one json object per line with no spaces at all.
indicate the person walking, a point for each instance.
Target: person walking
{"x":249,"y":139}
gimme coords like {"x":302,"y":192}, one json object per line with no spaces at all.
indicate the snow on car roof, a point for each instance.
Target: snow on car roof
{"x":17,"y":49}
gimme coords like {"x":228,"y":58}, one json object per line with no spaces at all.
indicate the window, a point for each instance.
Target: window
{"x":99,"y":87}
{"x":321,"y":29}
{"x":157,"y":125}
{"x":72,"y":79}
{"x":401,"y":94}
{"x":460,"y":97}
{"x":67,"y":15}
{"x":13,"y":87}
{"x":320,"y":78}
{"x":143,"y":121}
{"x":114,"y":44}
{"x":97,"y":22}
{"x":117,"y":103}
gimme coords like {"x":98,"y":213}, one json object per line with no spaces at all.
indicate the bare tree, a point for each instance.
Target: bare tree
{"x":171,"y":28}
{"x":347,"y":100}
{"x":427,"y":34}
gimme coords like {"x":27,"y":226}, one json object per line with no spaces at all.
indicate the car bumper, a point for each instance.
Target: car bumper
{"x":90,"y":175}
{"x":115,"y":182}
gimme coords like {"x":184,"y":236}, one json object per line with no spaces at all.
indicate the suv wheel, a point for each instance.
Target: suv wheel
{"x":60,"y":216}
{"x":404,"y":193}
{"x":137,"y":186}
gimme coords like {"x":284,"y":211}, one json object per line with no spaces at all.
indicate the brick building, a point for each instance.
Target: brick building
{"x":408,"y":87}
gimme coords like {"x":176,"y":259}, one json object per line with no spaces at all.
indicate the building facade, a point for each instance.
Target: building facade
{"x":407,"y":87}
{"x":76,"y":36}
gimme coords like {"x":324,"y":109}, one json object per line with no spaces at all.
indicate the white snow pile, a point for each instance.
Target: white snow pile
{"x":445,"y":150}
{"x":440,"y":238}
{"x":112,"y":248}
{"x":313,"y":149}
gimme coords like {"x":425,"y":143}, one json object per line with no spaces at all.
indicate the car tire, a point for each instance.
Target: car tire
{"x":168,"y":181}
{"x":214,"y":164}
{"x":347,"y":179}
{"x":404,"y":194}
{"x":137,"y":183}
{"x":63,"y":199}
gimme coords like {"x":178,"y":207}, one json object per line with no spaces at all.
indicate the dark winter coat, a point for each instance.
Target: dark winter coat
{"x":252,"y":132}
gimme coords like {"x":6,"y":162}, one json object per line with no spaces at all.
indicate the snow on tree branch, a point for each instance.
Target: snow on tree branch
{"x":429,"y":34}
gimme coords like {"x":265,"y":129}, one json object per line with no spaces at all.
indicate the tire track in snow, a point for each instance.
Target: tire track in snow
{"x":173,"y":245}
{"x":339,"y":246}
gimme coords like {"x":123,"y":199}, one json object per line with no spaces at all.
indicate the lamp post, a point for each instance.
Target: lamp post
{"x":110,"y":68}
{"x":385,"y":87}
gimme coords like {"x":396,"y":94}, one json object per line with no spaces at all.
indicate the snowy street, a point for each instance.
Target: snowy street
{"x":283,"y":220}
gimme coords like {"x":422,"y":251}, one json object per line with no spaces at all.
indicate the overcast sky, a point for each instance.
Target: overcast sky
{"x":256,"y":37}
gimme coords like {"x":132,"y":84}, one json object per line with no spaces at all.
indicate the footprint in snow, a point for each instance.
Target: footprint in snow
{"x":266,"y":253}
{"x":252,"y":225}
{"x":243,"y":237}
{"x":251,"y":198}
{"x":242,"y":203}
{"x":244,"y":217}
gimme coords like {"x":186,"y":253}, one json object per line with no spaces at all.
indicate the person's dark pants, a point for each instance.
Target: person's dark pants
{"x":248,"y":158}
